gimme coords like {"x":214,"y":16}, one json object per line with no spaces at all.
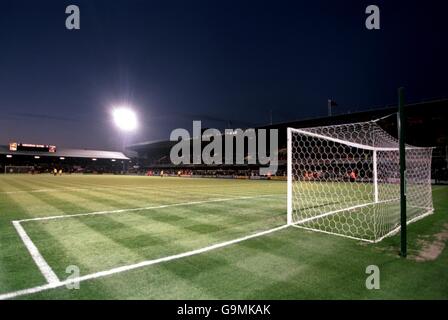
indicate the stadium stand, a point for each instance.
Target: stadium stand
{"x":67,"y":160}
{"x":427,"y":126}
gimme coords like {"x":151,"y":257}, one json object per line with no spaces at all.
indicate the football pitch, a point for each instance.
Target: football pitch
{"x":195,"y":238}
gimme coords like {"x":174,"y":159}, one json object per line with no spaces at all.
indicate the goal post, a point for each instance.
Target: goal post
{"x":289,"y":176}
{"x":401,"y":138}
{"x":18,"y":169}
{"x":345,"y":180}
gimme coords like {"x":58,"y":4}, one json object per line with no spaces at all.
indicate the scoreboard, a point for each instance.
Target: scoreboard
{"x":14,"y":146}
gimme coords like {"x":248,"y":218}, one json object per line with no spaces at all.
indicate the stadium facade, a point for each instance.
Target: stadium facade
{"x":426,"y":123}
{"x":67,"y":160}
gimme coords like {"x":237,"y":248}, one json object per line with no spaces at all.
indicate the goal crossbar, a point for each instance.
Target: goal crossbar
{"x":349,"y":143}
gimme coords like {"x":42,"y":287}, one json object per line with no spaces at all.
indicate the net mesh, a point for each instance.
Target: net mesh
{"x":18,"y":169}
{"x":346,"y":181}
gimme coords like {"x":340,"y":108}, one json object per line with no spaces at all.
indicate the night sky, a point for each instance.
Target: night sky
{"x":215,"y":61}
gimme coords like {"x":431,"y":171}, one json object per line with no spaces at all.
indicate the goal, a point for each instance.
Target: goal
{"x":345,"y":180}
{"x":19,"y":169}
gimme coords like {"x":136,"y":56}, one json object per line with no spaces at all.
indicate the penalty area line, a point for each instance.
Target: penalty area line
{"x":43,"y":266}
{"x":52,"y":285}
{"x":149,"y":208}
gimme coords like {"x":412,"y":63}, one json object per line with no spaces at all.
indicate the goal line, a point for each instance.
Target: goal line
{"x":342,"y":210}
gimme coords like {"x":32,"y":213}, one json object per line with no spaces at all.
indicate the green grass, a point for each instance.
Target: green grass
{"x":288,"y":264}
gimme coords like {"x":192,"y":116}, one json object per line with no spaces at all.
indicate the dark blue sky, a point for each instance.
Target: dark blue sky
{"x":215,"y":61}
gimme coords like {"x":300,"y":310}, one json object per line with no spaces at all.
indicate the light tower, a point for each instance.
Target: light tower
{"x":125,"y":120}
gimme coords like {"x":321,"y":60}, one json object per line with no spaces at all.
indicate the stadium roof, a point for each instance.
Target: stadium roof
{"x":68,"y":153}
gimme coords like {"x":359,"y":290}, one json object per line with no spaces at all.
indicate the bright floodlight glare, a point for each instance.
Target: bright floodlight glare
{"x":125,"y":119}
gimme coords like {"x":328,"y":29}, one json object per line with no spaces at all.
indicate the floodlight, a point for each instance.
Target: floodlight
{"x":125,"y":118}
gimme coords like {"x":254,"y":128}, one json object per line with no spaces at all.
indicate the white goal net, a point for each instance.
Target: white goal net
{"x":19,"y":169}
{"x":345,"y":180}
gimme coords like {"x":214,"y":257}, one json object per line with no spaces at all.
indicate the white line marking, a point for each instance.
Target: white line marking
{"x":105,"y":187}
{"x":137,"y":265}
{"x":394,"y":231}
{"x":343,"y":209}
{"x":62,"y":189}
{"x":147,"y":208}
{"x":430,"y":212}
{"x":43,"y":266}
{"x":332,"y":233}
